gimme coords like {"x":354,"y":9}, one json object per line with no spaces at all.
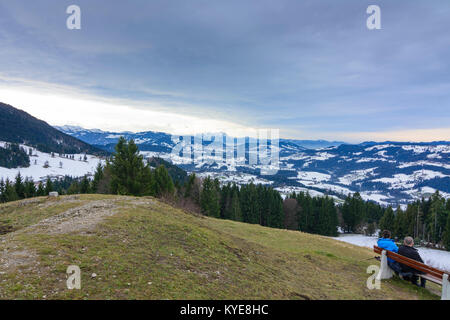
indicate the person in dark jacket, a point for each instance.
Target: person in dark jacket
{"x":408,"y":250}
{"x":387,"y":243}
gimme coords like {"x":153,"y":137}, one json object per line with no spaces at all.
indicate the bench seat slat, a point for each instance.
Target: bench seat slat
{"x":431,"y":278}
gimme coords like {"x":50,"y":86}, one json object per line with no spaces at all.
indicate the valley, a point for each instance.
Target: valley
{"x":390,"y":173}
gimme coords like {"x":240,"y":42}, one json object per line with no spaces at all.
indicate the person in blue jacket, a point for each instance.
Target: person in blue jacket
{"x":388,"y":244}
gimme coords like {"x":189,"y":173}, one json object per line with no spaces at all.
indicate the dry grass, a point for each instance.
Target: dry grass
{"x":149,"y":250}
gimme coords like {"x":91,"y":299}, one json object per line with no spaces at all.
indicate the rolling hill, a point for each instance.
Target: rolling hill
{"x":141,"y":248}
{"x":19,"y":127}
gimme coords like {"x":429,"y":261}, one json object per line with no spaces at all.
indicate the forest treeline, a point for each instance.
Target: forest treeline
{"x":126,"y":173}
{"x":13,"y":156}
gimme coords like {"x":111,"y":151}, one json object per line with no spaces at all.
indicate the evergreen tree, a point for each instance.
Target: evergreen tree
{"x":85,"y":185}
{"x":74,"y":188}
{"x":291,"y":213}
{"x":331,"y":218}
{"x":30,"y":189}
{"x":13,"y":156}
{"x":437,"y":219}
{"x":10,"y":192}
{"x":2,"y":191}
{"x":306,"y":219}
{"x":48,"y":186}
{"x":225,"y":202}
{"x":387,"y":221}
{"x":249,"y":204}
{"x":374,"y":212}
{"x":129,"y":175}
{"x":276,"y":216}
{"x":163,"y":184}
{"x":353,"y":211}
{"x":40,"y":190}
{"x":209,"y":198}
{"x":371,"y":229}
{"x":98,"y":176}
{"x":19,"y":186}
{"x":400,"y":226}
{"x":235,"y":209}
{"x":193,"y":188}
{"x":446,"y":238}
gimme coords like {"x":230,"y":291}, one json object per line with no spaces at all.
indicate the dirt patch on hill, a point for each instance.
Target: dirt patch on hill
{"x":80,"y":219}
{"x":59,"y":200}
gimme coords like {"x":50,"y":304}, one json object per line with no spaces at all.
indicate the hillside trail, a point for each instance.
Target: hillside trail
{"x":82,"y":219}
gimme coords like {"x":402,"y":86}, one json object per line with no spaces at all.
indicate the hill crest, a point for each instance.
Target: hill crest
{"x":142,"y":248}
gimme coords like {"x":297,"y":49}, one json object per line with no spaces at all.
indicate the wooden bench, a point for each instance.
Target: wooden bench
{"x":432,"y":274}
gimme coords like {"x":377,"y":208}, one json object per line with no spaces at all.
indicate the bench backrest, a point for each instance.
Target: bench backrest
{"x":411,"y":263}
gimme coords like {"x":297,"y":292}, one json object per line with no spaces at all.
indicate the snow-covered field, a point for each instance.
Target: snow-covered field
{"x":418,"y":193}
{"x":357,"y":175}
{"x":375,"y":196}
{"x":311,"y":178}
{"x":435,"y":258}
{"x":400,"y":180}
{"x":238,"y":178}
{"x":57,"y":166}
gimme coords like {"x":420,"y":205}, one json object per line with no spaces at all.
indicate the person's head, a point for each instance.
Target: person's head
{"x":408,"y":241}
{"x":386,"y":234}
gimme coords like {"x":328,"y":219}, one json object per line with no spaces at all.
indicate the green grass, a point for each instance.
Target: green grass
{"x":20,"y":214}
{"x":153,"y":251}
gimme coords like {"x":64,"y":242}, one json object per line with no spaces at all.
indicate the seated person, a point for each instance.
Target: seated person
{"x":408,"y":250}
{"x":387,"y":243}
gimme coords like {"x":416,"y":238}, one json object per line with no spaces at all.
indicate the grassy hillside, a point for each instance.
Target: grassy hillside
{"x":140,"y":248}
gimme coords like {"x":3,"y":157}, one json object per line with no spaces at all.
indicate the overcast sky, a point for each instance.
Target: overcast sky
{"x":309,"y":68}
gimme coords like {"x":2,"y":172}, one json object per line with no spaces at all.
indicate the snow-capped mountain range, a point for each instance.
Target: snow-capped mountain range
{"x":388,"y":173}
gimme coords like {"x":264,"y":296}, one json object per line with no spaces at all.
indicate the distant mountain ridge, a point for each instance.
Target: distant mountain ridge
{"x":17,"y":126}
{"x":160,"y":141}
{"x":385,"y":172}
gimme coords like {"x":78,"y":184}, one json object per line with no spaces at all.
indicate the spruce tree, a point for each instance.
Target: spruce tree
{"x":129,"y":175}
{"x":399,"y":228}
{"x":225,"y":202}
{"x":305,"y":220}
{"x":85,"y":185}
{"x":30,"y":189}
{"x":98,"y":176}
{"x":437,"y":219}
{"x":74,"y":188}
{"x":235,"y":209}
{"x":209,"y":198}
{"x":189,"y":186}
{"x":19,"y":186}
{"x":387,"y":221}
{"x":276,"y":217}
{"x":446,"y":238}
{"x":250,"y":204}
{"x":353,"y":211}
{"x":40,"y":190}
{"x":48,"y":186}
{"x":163,"y":184}
{"x":2,"y":191}
{"x":10,"y":192}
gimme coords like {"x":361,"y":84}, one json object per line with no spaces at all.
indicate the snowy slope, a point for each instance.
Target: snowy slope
{"x":58,"y":166}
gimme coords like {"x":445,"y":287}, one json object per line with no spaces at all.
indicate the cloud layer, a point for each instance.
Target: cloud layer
{"x":310,"y":68}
